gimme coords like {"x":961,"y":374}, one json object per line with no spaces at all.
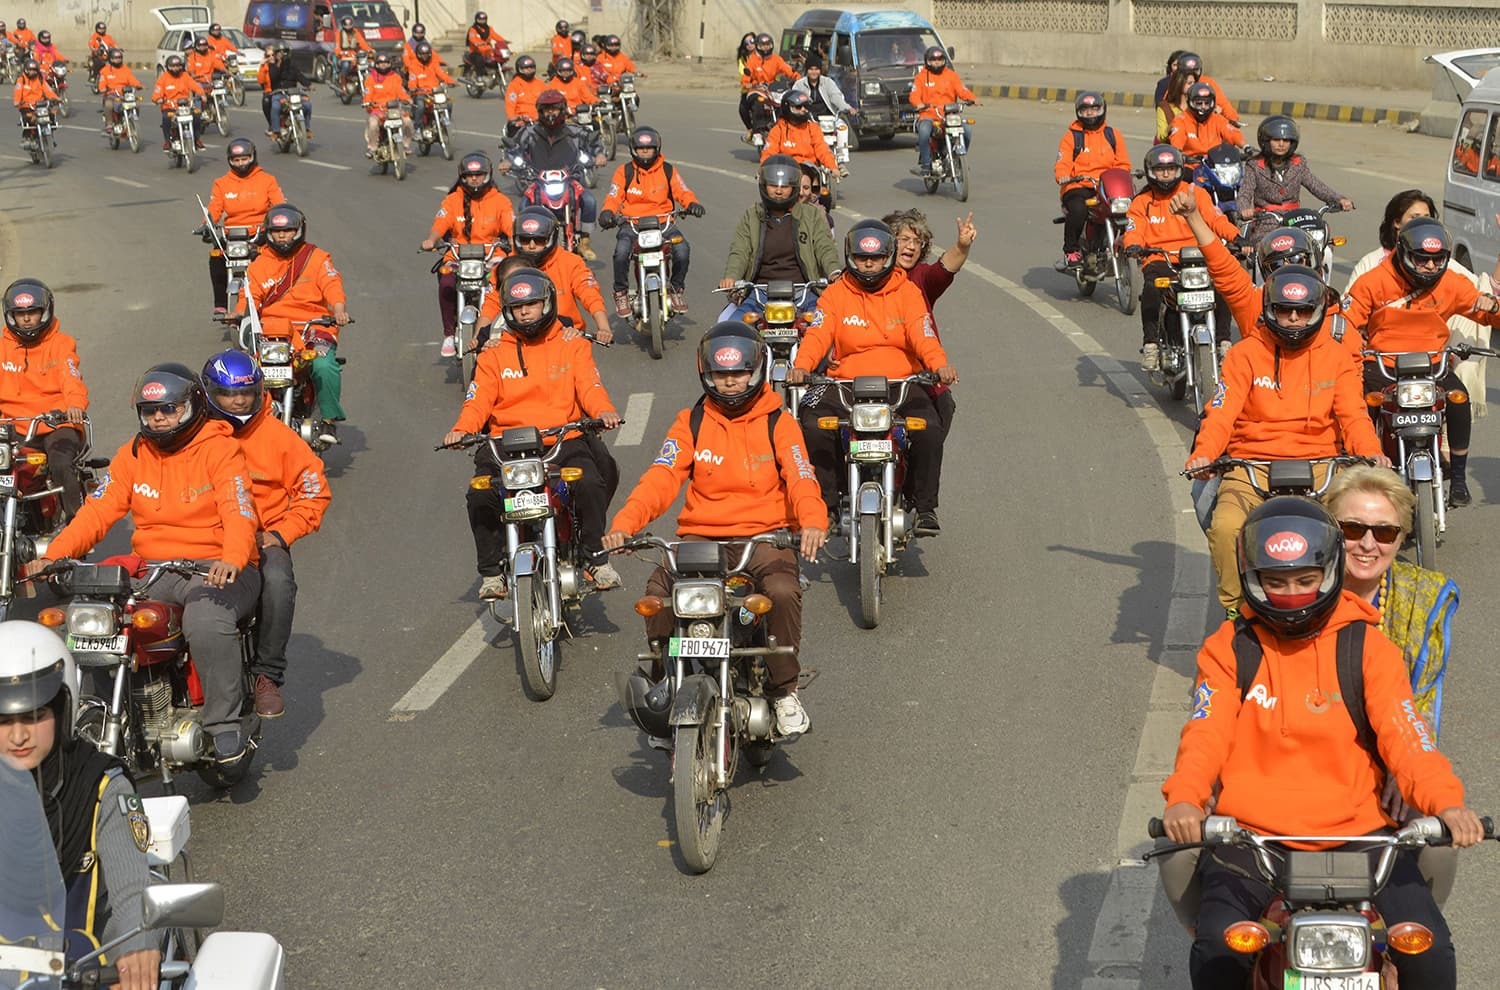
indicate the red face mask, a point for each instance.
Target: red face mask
{"x":1291,"y":602}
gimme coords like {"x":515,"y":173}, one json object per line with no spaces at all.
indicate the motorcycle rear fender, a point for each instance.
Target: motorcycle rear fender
{"x":653,"y":281}
{"x":695,"y":700}
{"x":1419,"y":466}
{"x":871,"y":499}
{"x":527,"y":561}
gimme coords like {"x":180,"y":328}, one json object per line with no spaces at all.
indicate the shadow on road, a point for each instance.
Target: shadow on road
{"x":1141,"y":613}
{"x":338,"y":459}
{"x":312,"y":671}
{"x":1082,"y":895}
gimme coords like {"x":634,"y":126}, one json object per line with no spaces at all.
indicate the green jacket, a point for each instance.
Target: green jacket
{"x":815,"y":248}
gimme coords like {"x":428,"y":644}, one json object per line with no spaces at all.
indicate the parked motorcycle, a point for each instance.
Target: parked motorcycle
{"x":183,"y":151}
{"x":713,"y":700}
{"x":785,"y":312}
{"x":124,"y":122}
{"x":39,"y":134}
{"x":216,"y":107}
{"x":436,"y":126}
{"x":291,"y":128}
{"x":1103,"y":237}
{"x":1189,"y":357}
{"x":352,"y":86}
{"x":545,"y":563}
{"x":470,"y":264}
{"x":284,"y":371}
{"x":650,"y":274}
{"x":949,"y":150}
{"x":559,"y":191}
{"x":494,"y":75}
{"x":1220,"y":171}
{"x":1322,"y":929}
{"x":873,"y":510}
{"x":390,"y":150}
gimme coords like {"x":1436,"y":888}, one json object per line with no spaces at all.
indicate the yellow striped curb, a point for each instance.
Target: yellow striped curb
{"x":1305,"y":109}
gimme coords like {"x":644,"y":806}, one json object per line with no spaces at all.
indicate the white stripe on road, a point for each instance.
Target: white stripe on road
{"x":449,"y":668}
{"x":725,"y":130}
{"x":126,"y":182}
{"x":15,"y":158}
{"x":637,"y":412}
{"x":79,"y":127}
{"x":310,"y":161}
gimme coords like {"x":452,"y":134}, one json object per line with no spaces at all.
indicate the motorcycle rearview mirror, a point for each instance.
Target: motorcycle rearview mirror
{"x":183,"y":905}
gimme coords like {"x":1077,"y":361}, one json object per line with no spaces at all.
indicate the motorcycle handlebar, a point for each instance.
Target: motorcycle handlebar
{"x":591,"y":425}
{"x":744,"y":285}
{"x":1156,"y":828}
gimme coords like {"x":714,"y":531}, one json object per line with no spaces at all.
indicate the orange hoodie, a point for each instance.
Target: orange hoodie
{"x":936,"y":90}
{"x":578,"y":91}
{"x":562,"y":46}
{"x":1152,"y":223}
{"x":520,"y":97}
{"x":1193,"y":138}
{"x":1391,"y":317}
{"x":203,"y":67}
{"x":887,"y":332}
{"x":738,"y":485}
{"x":649,"y":193}
{"x":759,"y":70}
{"x":577,"y":289}
{"x":544,"y":383}
{"x":41,"y":377}
{"x":488,"y":46}
{"x":286,"y":477}
{"x":382,"y":90}
{"x":1244,"y":299}
{"x":1287,"y":756}
{"x":194,"y":503}
{"x":169,"y":89}
{"x":804,"y":142}
{"x":426,"y":78}
{"x":616,"y":66}
{"x":312,"y":296}
{"x":492,"y":215}
{"x":29,"y":92}
{"x":113,"y":80}
{"x":1093,"y":159}
{"x":243,"y":202}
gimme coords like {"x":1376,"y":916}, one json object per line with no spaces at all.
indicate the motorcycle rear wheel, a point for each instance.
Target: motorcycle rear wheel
{"x":1085,"y":285}
{"x":536,"y":637}
{"x":870,"y":552}
{"x":345,"y":96}
{"x":114,"y":141}
{"x":473,"y":85}
{"x":1125,"y":286}
{"x":1425,"y":535}
{"x":698,"y":805}
{"x":655,"y":323}
{"x":961,"y":178}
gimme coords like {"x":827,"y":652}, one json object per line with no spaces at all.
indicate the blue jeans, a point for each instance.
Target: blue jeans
{"x":277,"y":99}
{"x":924,"y":141}
{"x":278,"y":602}
{"x":625,"y":244}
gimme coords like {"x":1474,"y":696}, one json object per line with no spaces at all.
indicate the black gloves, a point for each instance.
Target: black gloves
{"x":696,"y":210}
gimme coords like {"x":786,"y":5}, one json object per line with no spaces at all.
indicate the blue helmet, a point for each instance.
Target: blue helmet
{"x":232,"y":373}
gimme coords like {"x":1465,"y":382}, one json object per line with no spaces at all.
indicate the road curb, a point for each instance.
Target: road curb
{"x":1342,"y":112}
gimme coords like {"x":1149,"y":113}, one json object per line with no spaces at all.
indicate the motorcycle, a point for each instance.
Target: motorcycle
{"x":713,"y":699}
{"x":626,"y":104}
{"x":1219,"y":171}
{"x":1103,"y":236}
{"x":150,"y":718}
{"x":183,"y":150}
{"x":10,"y":62}
{"x":650,"y":274}
{"x":59,"y":72}
{"x":291,"y":128}
{"x":1321,"y":928}
{"x":350,"y":85}
{"x":545,"y":562}
{"x":765,"y":104}
{"x":236,"y":245}
{"x":1284,"y":477}
{"x":596,"y":118}
{"x":836,"y":133}
{"x":785,"y":314}
{"x":124,"y":121}
{"x":559,"y":190}
{"x":1310,"y":222}
{"x":1410,"y":427}
{"x":470,"y":264}
{"x":873,"y":510}
{"x":39,"y":134}
{"x":493,"y":76}
{"x":948,"y":151}
{"x":216,"y":107}
{"x":233,"y":82}
{"x":1189,"y":357}
{"x":285,"y":374}
{"x":436,"y":123}
{"x":390,"y":151}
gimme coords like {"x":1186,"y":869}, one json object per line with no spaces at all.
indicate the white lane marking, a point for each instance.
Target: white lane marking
{"x":448,"y":668}
{"x":78,"y":127}
{"x":126,"y":182}
{"x":335,"y":165}
{"x":637,"y":412}
{"x":440,"y":188}
{"x":15,"y":158}
{"x":724,"y":130}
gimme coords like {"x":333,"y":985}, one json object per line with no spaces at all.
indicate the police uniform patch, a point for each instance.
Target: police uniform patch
{"x":135,"y":816}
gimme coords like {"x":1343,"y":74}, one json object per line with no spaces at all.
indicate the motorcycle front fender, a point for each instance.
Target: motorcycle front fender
{"x":695,"y":700}
{"x":1203,"y":333}
{"x":870,"y":500}
{"x":1419,"y":467}
{"x":526,"y":560}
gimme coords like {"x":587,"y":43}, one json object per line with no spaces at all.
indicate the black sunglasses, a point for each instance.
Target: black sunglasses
{"x":1356,"y":531}
{"x":160,"y":409}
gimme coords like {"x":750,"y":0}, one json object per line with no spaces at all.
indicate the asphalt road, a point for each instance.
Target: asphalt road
{"x":956,"y":814}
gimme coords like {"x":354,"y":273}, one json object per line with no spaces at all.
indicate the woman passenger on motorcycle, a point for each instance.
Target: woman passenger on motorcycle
{"x":538,"y":375}
{"x":874,"y":321}
{"x":810,"y":191}
{"x":1290,"y":768}
{"x":114,"y":78}
{"x":383,"y":88}
{"x":743,"y":52}
{"x":187,"y":489}
{"x":276,"y":77}
{"x":934,"y":87}
{"x":473,"y":212}
{"x":1173,"y":102}
{"x":92,"y":810}
{"x":535,"y":237}
{"x":1201,"y":128}
{"x":644,"y":187}
{"x":780,"y":238}
{"x":240,"y":198}
{"x":1087,"y":149}
{"x":1194,"y":64}
{"x":1166,"y":80}
{"x":347,"y":45}
{"x":761,"y":484}
{"x":1271,"y":180}
{"x":762,"y":68}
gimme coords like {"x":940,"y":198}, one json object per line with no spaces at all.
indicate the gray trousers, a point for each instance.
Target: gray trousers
{"x":210,"y":618}
{"x":278,"y":602}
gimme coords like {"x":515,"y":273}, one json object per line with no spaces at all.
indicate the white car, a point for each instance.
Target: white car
{"x":183,"y":27}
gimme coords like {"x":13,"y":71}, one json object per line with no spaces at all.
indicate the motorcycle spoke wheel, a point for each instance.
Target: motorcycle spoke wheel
{"x":655,"y":323}
{"x":1125,"y":297}
{"x":237,"y":88}
{"x":611,"y":139}
{"x":1425,"y":519}
{"x":65,"y":106}
{"x":182,"y":944}
{"x":1205,"y":376}
{"x":299,"y":141}
{"x":870,"y":553}
{"x":220,"y":124}
{"x":961,"y":178}
{"x":699,"y":806}
{"x":447,"y":144}
{"x":536,"y":637}
{"x":44,"y":152}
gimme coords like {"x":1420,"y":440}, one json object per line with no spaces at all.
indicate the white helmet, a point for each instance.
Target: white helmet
{"x":36,"y":667}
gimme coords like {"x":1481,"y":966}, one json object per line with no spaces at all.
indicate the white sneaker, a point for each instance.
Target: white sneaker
{"x":791,"y":717}
{"x":606,"y":577}
{"x":1150,"y":357}
{"x":1224,"y":346}
{"x":493,"y":588}
{"x":450,"y":347}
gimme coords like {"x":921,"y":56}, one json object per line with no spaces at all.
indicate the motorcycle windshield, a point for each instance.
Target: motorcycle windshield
{"x":31,"y":887}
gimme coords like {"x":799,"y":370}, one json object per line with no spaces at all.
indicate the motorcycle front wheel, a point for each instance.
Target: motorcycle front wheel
{"x":443,"y":140}
{"x":398,"y":160}
{"x":536,"y":637}
{"x":655,"y":323}
{"x":65,"y":106}
{"x":44,"y":151}
{"x":299,"y":140}
{"x":1205,"y":376}
{"x":1124,"y":285}
{"x":237,"y":90}
{"x":607,"y":133}
{"x":698,"y":805}
{"x":220,"y":123}
{"x":870,"y":552}
{"x":1425,"y":518}
{"x":960,"y":178}
{"x":114,"y":141}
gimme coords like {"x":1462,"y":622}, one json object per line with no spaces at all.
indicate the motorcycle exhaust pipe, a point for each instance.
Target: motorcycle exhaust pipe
{"x":184,"y":742}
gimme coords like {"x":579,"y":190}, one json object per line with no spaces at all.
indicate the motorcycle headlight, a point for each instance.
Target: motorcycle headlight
{"x":1120,"y":204}
{"x":953,"y":120}
{"x":4,"y":457}
{"x":392,"y":113}
{"x":527,"y":473}
{"x":1317,"y":236}
{"x":649,"y":238}
{"x":471,"y":270}
{"x":780,"y":312}
{"x":695,"y":599}
{"x":627,"y":87}
{"x":127,"y":101}
{"x":870,"y":417}
{"x":1416,"y":395}
{"x":1195,"y":278}
{"x":60,"y":69}
{"x":439,"y":97}
{"x":237,"y":249}
{"x":91,"y":619}
{"x":295,"y":99}
{"x":1228,"y":175}
{"x":871,"y":89}
{"x":553,"y":190}
{"x":1324,"y":945}
{"x":276,"y":351}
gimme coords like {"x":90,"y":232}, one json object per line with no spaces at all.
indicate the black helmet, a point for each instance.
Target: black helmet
{"x":732,"y":346}
{"x":1277,"y":127}
{"x":418,"y":31}
{"x":1294,"y":286}
{"x":870,"y":239}
{"x":100,"y":27}
{"x":33,"y":68}
{"x":116,"y":57}
{"x":1418,"y":238}
{"x":562,"y":27}
{"x":527,"y":285}
{"x":796,"y":107}
{"x":201,"y":43}
{"x":1287,"y":533}
{"x":1201,"y":101}
{"x":588,"y":54}
{"x":526,"y":66}
{"x":1089,"y":100}
{"x":20,"y":23}
{"x":1163,"y":156}
{"x":612,"y":44}
{"x":228,"y":373}
{"x":347,"y":23}
{"x":383,"y":61}
{"x":1284,"y":246}
{"x":24,"y":294}
{"x":779,"y":170}
{"x":764,"y":43}
{"x":176,"y":384}
{"x":564,"y":69}
{"x":216,"y":29}
{"x":237,"y":147}
{"x":551,"y":99}
{"x":935,"y":59}
{"x":285,"y":216}
{"x":480,"y":17}
{"x":642,"y":139}
{"x":578,"y":38}
{"x":535,"y":222}
{"x":423,"y":51}
{"x":1190,"y":62}
{"x":476,"y":163}
{"x":175,"y":65}
{"x":44,"y":37}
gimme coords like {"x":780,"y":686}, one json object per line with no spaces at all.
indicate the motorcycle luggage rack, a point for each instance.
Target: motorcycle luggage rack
{"x":520,"y":440}
{"x":1290,"y":477}
{"x":1326,"y":877}
{"x":99,"y":580}
{"x":1415,"y":365}
{"x":471,"y":252}
{"x":701,"y":559}
{"x":871,"y":388}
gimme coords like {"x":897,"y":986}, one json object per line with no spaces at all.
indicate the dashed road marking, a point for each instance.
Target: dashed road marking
{"x":637,"y":413}
{"x":448,"y":669}
{"x":333,"y":165}
{"x":126,"y":182}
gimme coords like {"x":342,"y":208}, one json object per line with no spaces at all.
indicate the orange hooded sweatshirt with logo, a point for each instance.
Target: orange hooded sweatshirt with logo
{"x":1287,"y":755}
{"x":29,"y":91}
{"x":935,"y":90}
{"x":544,"y":383}
{"x":520,"y":97}
{"x":312,"y":295}
{"x":169,"y":89}
{"x":195,"y":502}
{"x":113,"y":80}
{"x":759,"y":69}
{"x":1193,"y":138}
{"x":649,"y":194}
{"x":1153,"y":224}
{"x":41,"y":377}
{"x":1092,"y":159}
{"x":487,"y":217}
{"x":203,"y":67}
{"x":886,"y":332}
{"x":1391,"y":317}
{"x":242,"y":202}
{"x":426,"y":78}
{"x":562,"y":46}
{"x":383,"y":90}
{"x":616,"y":66}
{"x":577,"y":288}
{"x":804,"y":142}
{"x":578,"y":91}
{"x":737,"y":484}
{"x":286,"y":477}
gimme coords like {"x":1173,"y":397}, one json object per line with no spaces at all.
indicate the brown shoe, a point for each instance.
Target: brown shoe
{"x":679,"y":300}
{"x":268,"y":698}
{"x":622,"y":304}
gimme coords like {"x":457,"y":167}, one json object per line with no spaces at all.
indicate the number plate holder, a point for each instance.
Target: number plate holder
{"x":1427,"y":418}
{"x":1294,"y":980}
{"x":698,"y":648}
{"x":98,"y":644}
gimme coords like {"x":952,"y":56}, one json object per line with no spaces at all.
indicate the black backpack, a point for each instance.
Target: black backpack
{"x":667,"y":170}
{"x":1109,"y":135}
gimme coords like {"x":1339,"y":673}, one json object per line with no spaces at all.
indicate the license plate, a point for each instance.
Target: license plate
{"x":97,"y":644}
{"x":869,"y":446}
{"x":1315,"y":981}
{"x":1401,"y":419}
{"x":276,"y":375}
{"x":524,"y":501}
{"x":698,"y":648}
{"x":7,"y":482}
{"x":1197,"y":299}
{"x":650,"y":259}
{"x":779,"y":334}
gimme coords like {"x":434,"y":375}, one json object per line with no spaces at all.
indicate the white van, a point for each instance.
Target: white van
{"x":1471,"y":189}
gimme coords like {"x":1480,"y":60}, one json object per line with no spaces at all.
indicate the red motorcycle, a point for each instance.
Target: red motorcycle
{"x":558,"y":190}
{"x":1103,"y":237}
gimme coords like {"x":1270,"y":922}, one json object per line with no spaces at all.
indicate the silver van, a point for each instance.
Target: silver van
{"x":1471,"y":188}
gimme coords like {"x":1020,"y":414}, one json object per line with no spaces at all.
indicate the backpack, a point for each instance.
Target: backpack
{"x":695,"y":420}
{"x":667,"y":170}
{"x":1109,"y":135}
{"x":1350,"y":656}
